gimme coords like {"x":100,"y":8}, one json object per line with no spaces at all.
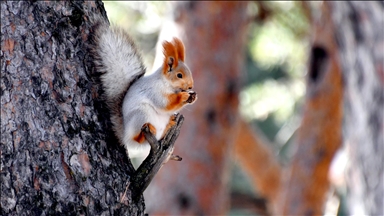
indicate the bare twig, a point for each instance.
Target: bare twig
{"x":125,"y":192}
{"x":161,"y":152}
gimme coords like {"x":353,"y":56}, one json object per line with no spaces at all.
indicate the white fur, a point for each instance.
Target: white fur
{"x":146,"y":99}
{"x":119,"y":59}
{"x":144,"y":103}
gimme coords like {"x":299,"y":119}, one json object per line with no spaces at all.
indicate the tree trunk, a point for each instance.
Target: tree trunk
{"x":214,"y":36}
{"x":54,"y":128}
{"x":348,"y":38}
{"x":306,"y":184}
{"x":359,"y":30}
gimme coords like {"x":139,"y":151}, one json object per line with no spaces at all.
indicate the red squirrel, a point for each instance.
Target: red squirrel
{"x":136,"y":100}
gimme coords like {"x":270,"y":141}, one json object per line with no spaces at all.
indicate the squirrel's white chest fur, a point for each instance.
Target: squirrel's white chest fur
{"x":144,"y":103}
{"x":149,"y":99}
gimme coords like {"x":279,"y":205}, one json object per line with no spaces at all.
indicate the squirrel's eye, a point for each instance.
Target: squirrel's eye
{"x":179,"y":75}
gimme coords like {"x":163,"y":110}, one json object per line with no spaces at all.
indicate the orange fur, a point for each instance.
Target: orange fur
{"x":172,"y":122}
{"x":185,"y":83}
{"x":140,"y":138}
{"x":176,"y":101}
{"x":169,"y":52}
{"x":175,"y":50}
{"x":179,"y":48}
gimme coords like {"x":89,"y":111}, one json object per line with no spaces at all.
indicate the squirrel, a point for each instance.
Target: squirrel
{"x":133,"y":99}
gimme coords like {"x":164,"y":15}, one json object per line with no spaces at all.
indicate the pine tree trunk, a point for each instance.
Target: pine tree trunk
{"x":54,"y":129}
{"x":305,"y":187}
{"x":360,"y":36}
{"x":214,"y":36}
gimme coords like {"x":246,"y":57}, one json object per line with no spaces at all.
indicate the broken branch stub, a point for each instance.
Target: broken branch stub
{"x":160,"y":153}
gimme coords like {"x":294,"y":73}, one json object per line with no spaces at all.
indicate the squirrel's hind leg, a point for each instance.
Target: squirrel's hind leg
{"x":140,"y":138}
{"x":171,"y":123}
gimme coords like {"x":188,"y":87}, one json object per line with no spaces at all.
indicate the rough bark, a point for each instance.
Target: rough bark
{"x":58,"y":154}
{"x":160,"y":153}
{"x":305,"y":184}
{"x":359,"y":30}
{"x":214,"y":37}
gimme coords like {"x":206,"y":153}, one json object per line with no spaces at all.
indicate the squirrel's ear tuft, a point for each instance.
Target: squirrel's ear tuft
{"x":170,"y":57}
{"x":179,"y":48}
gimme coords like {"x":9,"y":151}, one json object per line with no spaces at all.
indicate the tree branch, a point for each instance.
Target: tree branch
{"x":254,"y":154}
{"x":161,"y":152}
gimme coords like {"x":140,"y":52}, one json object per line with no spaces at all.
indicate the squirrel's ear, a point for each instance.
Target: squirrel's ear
{"x":170,"y":57}
{"x":179,"y":48}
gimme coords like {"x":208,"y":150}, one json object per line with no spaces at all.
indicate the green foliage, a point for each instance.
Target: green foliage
{"x":276,"y":64}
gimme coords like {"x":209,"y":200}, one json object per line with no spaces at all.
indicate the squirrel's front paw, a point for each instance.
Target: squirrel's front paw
{"x":192,"y":97}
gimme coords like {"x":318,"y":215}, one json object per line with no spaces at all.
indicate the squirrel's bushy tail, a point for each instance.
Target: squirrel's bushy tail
{"x":116,"y":57}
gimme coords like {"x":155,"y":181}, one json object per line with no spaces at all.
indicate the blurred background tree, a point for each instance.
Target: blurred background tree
{"x":276,"y":56}
{"x":275,"y":61}
{"x":278,"y":41}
